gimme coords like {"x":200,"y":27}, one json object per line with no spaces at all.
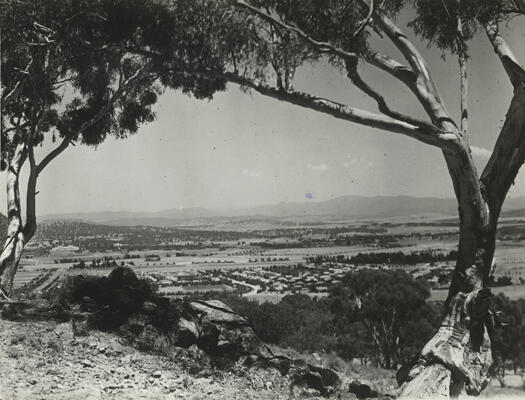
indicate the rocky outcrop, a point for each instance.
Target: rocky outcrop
{"x":198,"y":332}
{"x":222,"y":332}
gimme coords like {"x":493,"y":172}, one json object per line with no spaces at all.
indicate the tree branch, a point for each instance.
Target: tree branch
{"x":68,"y":139}
{"x":53,"y":154}
{"x":404,"y":74}
{"x":424,"y":86}
{"x":321,"y":46}
{"x":463,"y":77}
{"x":426,"y":134}
{"x":508,"y":155}
{"x":462,"y":59}
{"x":380,"y":100}
{"x":12,"y":94}
{"x":365,"y":21}
{"x":514,"y":70}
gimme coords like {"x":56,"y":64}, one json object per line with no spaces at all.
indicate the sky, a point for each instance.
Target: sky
{"x":242,"y":149}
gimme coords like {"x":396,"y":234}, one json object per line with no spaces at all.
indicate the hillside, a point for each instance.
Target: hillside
{"x":42,"y":358}
{"x":45,"y":360}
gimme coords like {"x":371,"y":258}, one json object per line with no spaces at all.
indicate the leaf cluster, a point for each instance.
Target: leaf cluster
{"x":437,"y":21}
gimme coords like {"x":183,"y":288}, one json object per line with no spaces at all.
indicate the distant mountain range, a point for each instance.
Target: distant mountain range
{"x":358,"y":207}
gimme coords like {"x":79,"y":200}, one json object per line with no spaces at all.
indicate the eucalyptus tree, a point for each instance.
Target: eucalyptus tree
{"x":260,"y":44}
{"x":68,"y":77}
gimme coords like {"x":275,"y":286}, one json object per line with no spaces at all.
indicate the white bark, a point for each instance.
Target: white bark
{"x":14,"y":244}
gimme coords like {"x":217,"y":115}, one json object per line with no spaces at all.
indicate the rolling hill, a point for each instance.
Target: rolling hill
{"x":357,"y":207}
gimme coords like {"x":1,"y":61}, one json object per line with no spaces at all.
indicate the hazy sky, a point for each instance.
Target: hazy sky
{"x":244,"y":149}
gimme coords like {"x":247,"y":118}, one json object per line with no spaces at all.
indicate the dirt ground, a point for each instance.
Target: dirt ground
{"x":43,"y":360}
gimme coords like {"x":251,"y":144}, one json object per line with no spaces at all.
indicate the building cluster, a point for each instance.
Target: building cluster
{"x":298,"y":278}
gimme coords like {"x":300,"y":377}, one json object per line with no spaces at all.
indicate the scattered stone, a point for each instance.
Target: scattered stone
{"x":309,"y":392}
{"x":86,"y":363}
{"x":113,"y":387}
{"x":156,"y":374}
{"x":186,"y":382}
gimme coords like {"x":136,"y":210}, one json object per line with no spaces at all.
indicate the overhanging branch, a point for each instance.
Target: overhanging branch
{"x":404,"y":74}
{"x":426,"y":134}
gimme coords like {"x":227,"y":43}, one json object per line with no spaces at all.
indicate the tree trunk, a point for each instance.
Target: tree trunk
{"x":459,"y":354}
{"x":17,"y":233}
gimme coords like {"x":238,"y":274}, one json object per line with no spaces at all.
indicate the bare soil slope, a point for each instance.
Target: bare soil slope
{"x":43,"y":360}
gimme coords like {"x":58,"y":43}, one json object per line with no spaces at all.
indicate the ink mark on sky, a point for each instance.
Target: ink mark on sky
{"x":309,"y":195}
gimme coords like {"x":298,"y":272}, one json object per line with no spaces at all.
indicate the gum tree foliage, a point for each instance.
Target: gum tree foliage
{"x":509,"y":340}
{"x":68,"y":77}
{"x":391,"y":307}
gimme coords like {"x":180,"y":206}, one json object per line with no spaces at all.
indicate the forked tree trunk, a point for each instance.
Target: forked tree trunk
{"x":459,"y":354}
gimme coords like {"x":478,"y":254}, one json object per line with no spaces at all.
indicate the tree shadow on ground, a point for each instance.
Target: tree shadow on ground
{"x":32,"y":310}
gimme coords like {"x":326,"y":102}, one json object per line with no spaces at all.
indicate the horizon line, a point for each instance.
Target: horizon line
{"x":220,"y":208}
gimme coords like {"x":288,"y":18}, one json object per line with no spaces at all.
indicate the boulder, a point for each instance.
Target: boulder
{"x":361,"y":390}
{"x":224,"y":333}
{"x":123,"y":277}
{"x":111,"y":300}
{"x":324,"y":380}
{"x":87,"y":304}
{"x":187,"y":333}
